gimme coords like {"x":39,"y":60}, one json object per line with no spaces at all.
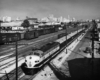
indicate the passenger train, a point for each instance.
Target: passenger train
{"x":37,"y":57}
{"x":34,"y":59}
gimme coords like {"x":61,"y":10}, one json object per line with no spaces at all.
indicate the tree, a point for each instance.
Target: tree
{"x":25,"y":24}
{"x":1,"y":21}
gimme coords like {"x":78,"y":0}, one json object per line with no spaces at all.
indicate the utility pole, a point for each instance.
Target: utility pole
{"x":16,"y":58}
{"x":93,"y":38}
{"x":77,"y":27}
{"x":66,"y":35}
{"x":7,"y":76}
{"x":92,"y":44}
{"x":0,"y":26}
{"x":92,"y":53}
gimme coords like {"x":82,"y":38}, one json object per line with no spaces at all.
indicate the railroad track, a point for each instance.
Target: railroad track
{"x":9,"y":48}
{"x":12,"y":76}
{"x":64,"y":46}
{"x":24,"y":77}
{"x":12,"y":61}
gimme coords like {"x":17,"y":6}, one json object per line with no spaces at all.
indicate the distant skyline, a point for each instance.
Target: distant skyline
{"x":80,"y":9}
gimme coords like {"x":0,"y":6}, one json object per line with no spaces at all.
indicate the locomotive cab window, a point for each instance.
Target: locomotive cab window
{"x":35,"y":53}
{"x":36,"y":61}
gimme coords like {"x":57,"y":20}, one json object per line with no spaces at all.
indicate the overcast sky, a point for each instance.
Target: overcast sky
{"x":80,"y":9}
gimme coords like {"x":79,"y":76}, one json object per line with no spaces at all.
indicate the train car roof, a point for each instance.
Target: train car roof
{"x":32,"y":57}
{"x":48,"y":46}
{"x":35,"y":51}
{"x":12,"y":24}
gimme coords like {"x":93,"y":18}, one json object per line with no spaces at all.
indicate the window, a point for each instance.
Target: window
{"x":35,"y":53}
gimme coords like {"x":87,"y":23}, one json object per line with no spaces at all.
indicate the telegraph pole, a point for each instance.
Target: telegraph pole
{"x":92,"y":44}
{"x":0,"y":26}
{"x":93,"y":38}
{"x":92,"y":53}
{"x":16,"y":58}
{"x":77,"y":28}
{"x":66,"y":36}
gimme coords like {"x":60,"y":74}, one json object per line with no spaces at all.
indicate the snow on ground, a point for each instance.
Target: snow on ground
{"x":46,"y":74}
{"x":70,"y":48}
{"x":1,"y":57}
{"x":11,"y":67}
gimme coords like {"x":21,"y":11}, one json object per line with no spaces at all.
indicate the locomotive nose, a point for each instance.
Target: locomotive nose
{"x":32,"y":60}
{"x":30,"y":64}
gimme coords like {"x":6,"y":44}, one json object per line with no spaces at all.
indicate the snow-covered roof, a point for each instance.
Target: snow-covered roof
{"x":12,"y":24}
{"x":98,"y":25}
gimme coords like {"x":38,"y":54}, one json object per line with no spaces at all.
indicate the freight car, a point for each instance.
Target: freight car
{"x":10,"y":33}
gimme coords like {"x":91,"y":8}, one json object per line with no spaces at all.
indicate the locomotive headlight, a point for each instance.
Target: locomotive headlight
{"x":30,"y":57}
{"x":30,"y":64}
{"x":25,"y":60}
{"x":37,"y":61}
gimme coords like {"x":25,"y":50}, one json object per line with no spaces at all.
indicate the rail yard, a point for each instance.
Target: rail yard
{"x":45,"y":53}
{"x":49,"y":39}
